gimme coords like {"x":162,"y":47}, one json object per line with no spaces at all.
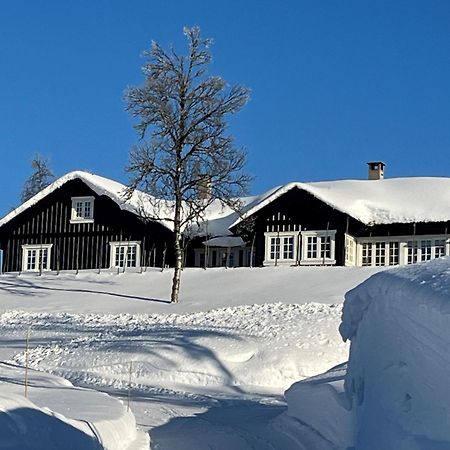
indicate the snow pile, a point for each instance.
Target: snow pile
{"x":24,"y":426}
{"x":57,"y":415}
{"x":397,"y":379}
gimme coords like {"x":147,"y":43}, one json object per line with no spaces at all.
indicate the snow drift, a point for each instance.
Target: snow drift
{"x":398,"y":322}
{"x":58,"y":415}
{"x":394,"y":393}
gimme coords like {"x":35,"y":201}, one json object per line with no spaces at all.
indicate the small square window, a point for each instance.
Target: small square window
{"x":82,"y":210}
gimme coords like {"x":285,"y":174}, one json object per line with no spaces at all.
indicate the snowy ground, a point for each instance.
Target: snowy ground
{"x":209,"y":371}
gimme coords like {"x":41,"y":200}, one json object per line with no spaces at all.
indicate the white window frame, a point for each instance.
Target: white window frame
{"x":112,"y":259}
{"x":282,"y":235}
{"x":403,"y":242}
{"x":26,"y":248}
{"x":350,"y":250}
{"x":305,"y":260}
{"x":74,"y":218}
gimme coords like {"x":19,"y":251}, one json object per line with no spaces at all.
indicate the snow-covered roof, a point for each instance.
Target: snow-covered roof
{"x":140,"y":202}
{"x":225,"y":241}
{"x":372,"y":202}
{"x":375,"y":202}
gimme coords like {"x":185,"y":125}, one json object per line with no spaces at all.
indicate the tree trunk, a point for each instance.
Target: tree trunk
{"x":177,"y":272}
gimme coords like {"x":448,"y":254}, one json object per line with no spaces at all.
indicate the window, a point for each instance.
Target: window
{"x":350,"y":250}
{"x":367,"y":254}
{"x":318,"y":247}
{"x":281,"y":247}
{"x":439,"y":248}
{"x":394,"y":253}
{"x":36,"y":258}
{"x":412,"y":252}
{"x":125,"y":254}
{"x":425,"y":250}
{"x":275,"y":248}
{"x":325,"y":247}
{"x":82,"y":210}
{"x":288,"y":247}
{"x":380,"y":253}
{"x":312,"y":247}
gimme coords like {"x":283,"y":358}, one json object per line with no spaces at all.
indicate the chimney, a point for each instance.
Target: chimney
{"x":204,"y":187}
{"x":376,"y":170}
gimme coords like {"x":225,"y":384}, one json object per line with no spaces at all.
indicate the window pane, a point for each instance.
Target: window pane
{"x":425,"y":250}
{"x":439,"y":248}
{"x":288,"y":247}
{"x":87,"y":210}
{"x":275,"y":248}
{"x":43,"y":259}
{"x":131,"y":256}
{"x":412,"y":252}
{"x":394,"y":253}
{"x":31,"y":259}
{"x":325,"y":247}
{"x":349,"y":250}
{"x":79,"y":209}
{"x":120,"y":256}
{"x":312,"y":247}
{"x":367,"y":254}
{"x":380,"y":253}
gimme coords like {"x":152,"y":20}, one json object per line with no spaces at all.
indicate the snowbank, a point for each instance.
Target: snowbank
{"x":58,"y":415}
{"x":397,"y":380}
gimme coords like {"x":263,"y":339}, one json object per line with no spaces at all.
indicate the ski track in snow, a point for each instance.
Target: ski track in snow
{"x":224,"y":369}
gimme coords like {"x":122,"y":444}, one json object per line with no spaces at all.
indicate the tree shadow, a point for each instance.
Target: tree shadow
{"x":176,"y":351}
{"x":27,"y":288}
{"x":156,"y":350}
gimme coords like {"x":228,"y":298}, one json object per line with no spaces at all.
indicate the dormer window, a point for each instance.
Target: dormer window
{"x":82,"y":210}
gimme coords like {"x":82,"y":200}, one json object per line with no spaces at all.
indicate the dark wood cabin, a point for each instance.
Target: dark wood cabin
{"x":73,"y":228}
{"x":310,"y":232}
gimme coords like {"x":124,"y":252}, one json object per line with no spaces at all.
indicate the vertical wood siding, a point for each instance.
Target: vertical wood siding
{"x":84,"y":245}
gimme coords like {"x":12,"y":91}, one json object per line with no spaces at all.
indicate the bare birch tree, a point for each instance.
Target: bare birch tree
{"x":41,"y":177}
{"x":185,"y":155}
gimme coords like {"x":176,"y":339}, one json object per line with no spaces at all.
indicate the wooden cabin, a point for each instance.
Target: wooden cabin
{"x":83,"y":221}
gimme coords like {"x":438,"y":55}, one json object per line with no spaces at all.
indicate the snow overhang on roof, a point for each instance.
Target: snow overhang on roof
{"x":393,"y":200}
{"x":140,"y":203}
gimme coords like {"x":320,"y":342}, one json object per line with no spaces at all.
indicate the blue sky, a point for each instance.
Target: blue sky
{"x":334,"y":83}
